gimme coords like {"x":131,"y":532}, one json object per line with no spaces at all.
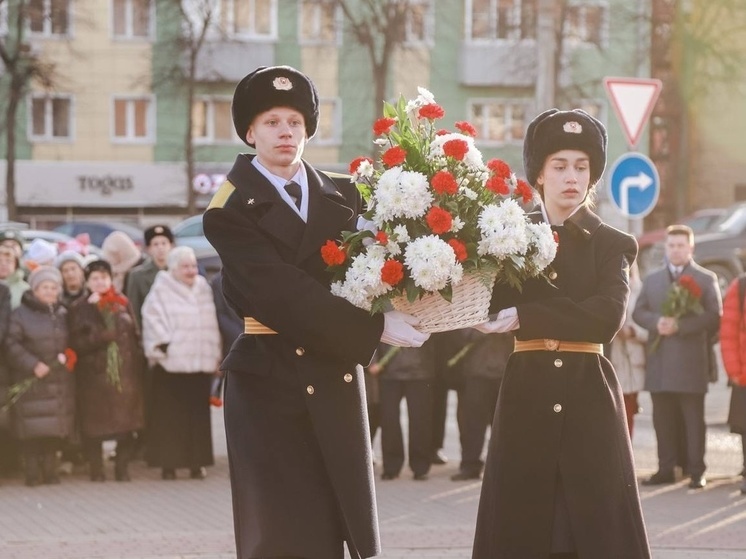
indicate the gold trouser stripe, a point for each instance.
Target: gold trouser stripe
{"x":252,"y":326}
{"x":548,"y":344}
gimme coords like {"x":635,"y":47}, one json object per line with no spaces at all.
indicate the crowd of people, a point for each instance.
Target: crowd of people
{"x":118,"y":347}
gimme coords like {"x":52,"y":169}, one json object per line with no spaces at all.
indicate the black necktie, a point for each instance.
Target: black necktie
{"x":293,"y":188}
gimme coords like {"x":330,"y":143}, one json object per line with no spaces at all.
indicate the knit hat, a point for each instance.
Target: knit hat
{"x":69,"y":256}
{"x":555,"y":130}
{"x":156,"y":230}
{"x":12,"y":235}
{"x":44,"y":273}
{"x":120,"y":251}
{"x":274,"y":86}
{"x":41,"y":252}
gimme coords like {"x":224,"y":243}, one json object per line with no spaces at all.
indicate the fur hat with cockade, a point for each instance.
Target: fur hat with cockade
{"x":158,"y":231}
{"x":555,"y":130}
{"x":274,"y":86}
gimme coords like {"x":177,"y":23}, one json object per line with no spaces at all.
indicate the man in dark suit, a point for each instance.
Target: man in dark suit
{"x":298,"y":439}
{"x":678,"y":352}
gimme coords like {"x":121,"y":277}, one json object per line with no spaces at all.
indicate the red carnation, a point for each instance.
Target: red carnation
{"x":499,"y":167}
{"x":216,"y":402}
{"x":456,"y":148}
{"x":459,"y":249}
{"x":392,"y":272}
{"x":444,"y":182}
{"x":466,"y":128}
{"x":394,"y":156}
{"x":332,"y":254}
{"x":70,"y":359}
{"x":382,"y":237}
{"x":356,"y":163}
{"x":432,"y":111}
{"x":555,"y":236}
{"x":498,"y":186}
{"x":525,"y":191}
{"x":383,"y":125}
{"x":439,"y":220}
{"x":442,"y":132}
{"x":690,"y":284}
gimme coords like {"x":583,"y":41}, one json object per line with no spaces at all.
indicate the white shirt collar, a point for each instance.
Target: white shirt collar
{"x":279,"y":183}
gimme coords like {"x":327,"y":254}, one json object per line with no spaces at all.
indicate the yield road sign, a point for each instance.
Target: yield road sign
{"x":634,"y":185}
{"x":633,"y":100}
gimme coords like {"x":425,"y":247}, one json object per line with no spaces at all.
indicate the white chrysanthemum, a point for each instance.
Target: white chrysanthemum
{"x":382,"y":142}
{"x":457,"y":224}
{"x":543,"y":239}
{"x":362,"y":281}
{"x":393,"y":248}
{"x":467,"y":192}
{"x":431,"y":262}
{"x":401,"y":234}
{"x":400,"y":194}
{"x":364,"y":170}
{"x":503,"y":230}
{"x":472,"y":159}
{"x":425,"y":97}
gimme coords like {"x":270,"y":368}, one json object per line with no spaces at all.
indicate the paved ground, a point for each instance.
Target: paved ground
{"x":152,"y":519}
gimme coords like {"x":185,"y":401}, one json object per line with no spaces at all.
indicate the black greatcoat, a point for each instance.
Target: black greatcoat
{"x":295,"y":411}
{"x":560,"y":458}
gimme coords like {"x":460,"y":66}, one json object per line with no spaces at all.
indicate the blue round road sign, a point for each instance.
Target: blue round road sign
{"x":634,"y":185}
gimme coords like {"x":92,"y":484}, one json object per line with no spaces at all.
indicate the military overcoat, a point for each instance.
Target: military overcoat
{"x":295,"y":412}
{"x":559,"y":455}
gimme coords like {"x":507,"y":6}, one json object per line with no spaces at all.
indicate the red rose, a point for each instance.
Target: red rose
{"x":439,"y":220}
{"x":690,"y":284}
{"x":444,"y":182}
{"x":456,"y":148}
{"x":459,"y":249}
{"x":383,"y":125}
{"x":432,"y":111}
{"x":392,"y":272}
{"x":442,"y":132}
{"x":466,"y":128}
{"x":394,"y":156}
{"x":499,"y":167}
{"x":71,"y":358}
{"x":332,"y":254}
{"x":356,"y":163}
{"x":382,"y":237}
{"x":498,"y":186}
{"x":525,"y":191}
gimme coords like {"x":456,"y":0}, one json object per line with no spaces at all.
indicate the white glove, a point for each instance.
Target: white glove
{"x":399,"y":330}
{"x":507,"y":320}
{"x":366,"y":225}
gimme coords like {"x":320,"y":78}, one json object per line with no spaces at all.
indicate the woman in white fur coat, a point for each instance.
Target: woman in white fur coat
{"x":182,"y":343}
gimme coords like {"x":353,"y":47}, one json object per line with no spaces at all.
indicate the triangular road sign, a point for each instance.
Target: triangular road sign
{"x":633,"y":100}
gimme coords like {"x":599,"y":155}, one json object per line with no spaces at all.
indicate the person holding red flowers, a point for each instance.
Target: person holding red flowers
{"x":679,"y":344}
{"x":295,"y":410}
{"x":104,"y":333}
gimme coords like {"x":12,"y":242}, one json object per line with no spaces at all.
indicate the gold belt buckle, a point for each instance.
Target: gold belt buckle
{"x":550,"y":344}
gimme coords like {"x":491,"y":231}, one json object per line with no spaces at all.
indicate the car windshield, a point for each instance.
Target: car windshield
{"x":734,"y":222}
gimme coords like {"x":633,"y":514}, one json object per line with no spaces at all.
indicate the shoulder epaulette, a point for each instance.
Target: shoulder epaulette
{"x":220,"y":198}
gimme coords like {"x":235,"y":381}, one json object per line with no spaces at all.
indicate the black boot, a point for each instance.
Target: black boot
{"x":121,"y":463}
{"x":95,"y":460}
{"x":31,"y":468}
{"x":49,"y":466}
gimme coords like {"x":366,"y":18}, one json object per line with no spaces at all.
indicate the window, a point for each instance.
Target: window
{"x":490,"y":20}
{"x":418,"y":27}
{"x":498,"y":122}
{"x":49,"y":17}
{"x":585,"y":23}
{"x":51,"y":117}
{"x":319,"y":22}
{"x":3,"y":19}
{"x":249,"y":18}
{"x":330,"y":121}
{"x":133,"y":119}
{"x":132,"y":19}
{"x":212,"y":122}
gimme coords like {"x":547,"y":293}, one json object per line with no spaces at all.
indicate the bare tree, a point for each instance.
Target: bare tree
{"x":23,"y":66}
{"x":192,"y":19}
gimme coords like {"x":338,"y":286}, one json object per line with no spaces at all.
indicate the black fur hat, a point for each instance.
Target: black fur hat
{"x":274,"y":86}
{"x":156,"y":230}
{"x":555,"y":130}
{"x":98,"y":265}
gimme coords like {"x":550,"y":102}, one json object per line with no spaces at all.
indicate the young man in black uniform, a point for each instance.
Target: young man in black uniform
{"x":298,"y":438}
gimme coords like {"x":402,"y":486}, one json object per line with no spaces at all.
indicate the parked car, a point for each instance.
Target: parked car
{"x":651,"y":242}
{"x":99,"y":230}
{"x":189,"y":232}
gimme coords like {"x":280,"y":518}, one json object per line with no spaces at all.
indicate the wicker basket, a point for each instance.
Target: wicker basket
{"x":469,"y":305}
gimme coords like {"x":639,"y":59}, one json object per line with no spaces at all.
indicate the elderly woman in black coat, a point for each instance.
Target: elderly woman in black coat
{"x":559,"y":479}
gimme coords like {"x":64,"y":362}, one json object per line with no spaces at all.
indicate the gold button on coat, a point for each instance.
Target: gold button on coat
{"x":552,"y":275}
{"x":557,"y":407}
{"x":558,"y":362}
{"x":299,"y":351}
{"x":348,"y":377}
{"x":309,"y":389}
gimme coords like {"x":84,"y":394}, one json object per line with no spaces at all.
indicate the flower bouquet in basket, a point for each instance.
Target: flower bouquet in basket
{"x":441,"y":227}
